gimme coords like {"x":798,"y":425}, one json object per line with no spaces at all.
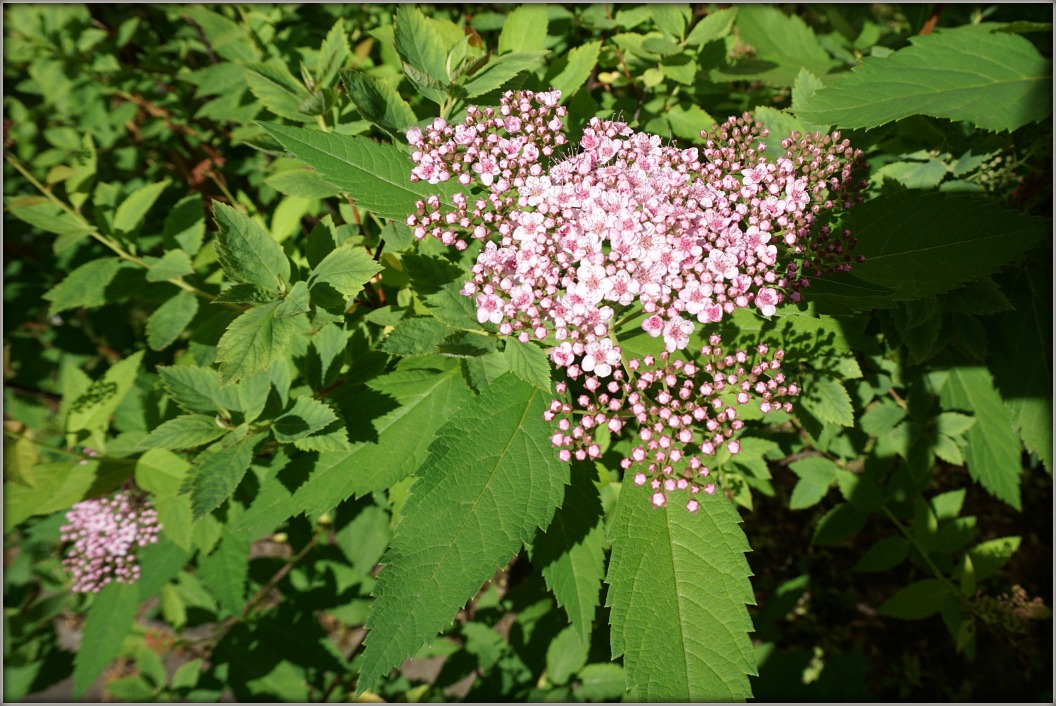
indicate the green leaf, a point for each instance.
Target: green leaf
{"x":500,"y":70}
{"x":827,"y":399}
{"x":246,"y":252}
{"x":304,"y":418}
{"x":417,"y":336}
{"x":377,"y":176}
{"x":570,"y":553}
{"x":816,"y":476}
{"x":913,"y":175}
{"x":605,"y":681}
{"x":245,"y":294}
{"x":197,"y":389}
{"x":528,"y":362}
{"x":576,"y":68}
{"x":133,"y":210}
{"x":953,"y":424}
{"x":184,"y":432}
{"x":566,"y":655}
{"x":917,"y":600}
{"x":305,"y":183}
{"x":333,"y":53}
{"x":163,"y":473}
{"x":224,"y":572}
{"x":175,"y":263}
{"x":20,"y":456}
{"x":393,"y":423}
{"x":91,"y":410}
{"x":782,"y":41}
{"x":108,"y":621}
{"x":997,"y":81}
{"x":419,"y":44}
{"x":255,"y":340}
{"x":678,"y":587}
{"x":277,"y":90}
{"x":346,"y":269}
{"x":993,"y":452}
{"x":888,"y":553}
{"x":170,"y":319}
{"x":40,"y":212}
{"x":524,"y":29}
{"x":716,"y":25}
{"x":988,"y":557}
{"x":86,"y":286}
{"x":672,"y":19}
{"x":490,"y":480}
{"x":217,"y":472}
{"x":882,"y":419}
{"x":185,"y":225}
{"x":377,"y":101}
{"x":838,"y":524}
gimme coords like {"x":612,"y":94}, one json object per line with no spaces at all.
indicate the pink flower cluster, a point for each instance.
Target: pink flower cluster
{"x":683,"y":413}
{"x":627,"y":225}
{"x":105,"y":534}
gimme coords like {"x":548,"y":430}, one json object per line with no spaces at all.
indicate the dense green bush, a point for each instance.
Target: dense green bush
{"x":219,"y":320}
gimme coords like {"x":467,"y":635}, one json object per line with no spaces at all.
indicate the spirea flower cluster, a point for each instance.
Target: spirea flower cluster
{"x":625,"y":221}
{"x":104,"y":534}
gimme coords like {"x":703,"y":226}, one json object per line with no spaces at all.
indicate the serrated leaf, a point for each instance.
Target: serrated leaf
{"x":173,"y":264}
{"x":333,"y":53}
{"x":578,"y":66}
{"x":108,"y":621}
{"x":785,"y":43}
{"x":91,"y":410}
{"x":524,"y":29}
{"x":678,"y":589}
{"x":133,"y":210}
{"x":393,"y":424}
{"x":816,"y":476}
{"x":417,"y":336}
{"x":170,"y":319}
{"x":305,"y":183}
{"x":376,"y":175}
{"x":253,"y":341}
{"x":197,"y":389}
{"x":827,"y":399}
{"x":917,"y":600}
{"x":246,"y":252}
{"x":418,"y":42}
{"x":20,"y":456}
{"x":277,"y":90}
{"x":885,"y":554}
{"x":919,"y":243}
{"x":570,"y":553}
{"x":377,"y":101}
{"x":217,"y":472}
{"x":490,"y":480}
{"x":86,"y":286}
{"x":500,"y":70}
{"x":245,"y":294}
{"x":224,"y":572}
{"x":982,"y":296}
{"x":528,"y":362}
{"x":993,"y":451}
{"x":997,"y":81}
{"x":184,"y":432}
{"x":346,"y":269}
{"x":304,"y":418}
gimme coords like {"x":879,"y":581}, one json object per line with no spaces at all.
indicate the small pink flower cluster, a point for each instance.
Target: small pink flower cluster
{"x":105,"y":533}
{"x":684,"y":412}
{"x":689,"y":235}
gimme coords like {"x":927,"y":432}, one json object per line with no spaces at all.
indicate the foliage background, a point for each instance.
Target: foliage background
{"x":142,"y":120}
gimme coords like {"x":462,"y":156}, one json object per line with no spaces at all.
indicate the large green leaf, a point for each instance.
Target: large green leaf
{"x":571,"y":554}
{"x":500,"y":70}
{"x":247,"y":253}
{"x":218,"y":471}
{"x":420,"y":46}
{"x":377,"y":176}
{"x":783,"y":45}
{"x":108,"y":622}
{"x":490,"y":481}
{"x":996,"y":80}
{"x":917,"y":244}
{"x":224,"y":572}
{"x":993,"y":452}
{"x":392,"y":424}
{"x":255,"y":340}
{"x":678,"y":587}
{"x":524,"y":29}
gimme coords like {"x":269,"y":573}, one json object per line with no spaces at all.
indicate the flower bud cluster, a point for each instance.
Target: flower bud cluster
{"x":105,"y":534}
{"x":681,"y":412}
